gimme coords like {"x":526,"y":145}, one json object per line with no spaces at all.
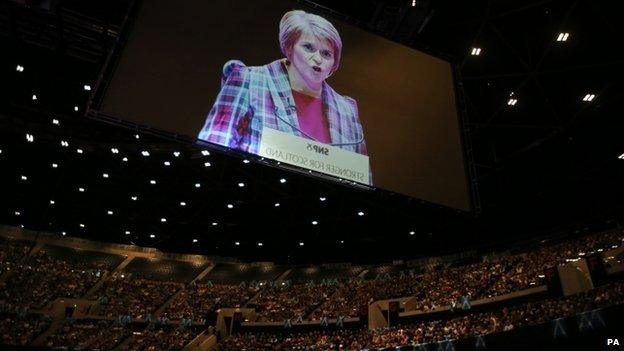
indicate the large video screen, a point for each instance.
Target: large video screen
{"x":274,"y":79}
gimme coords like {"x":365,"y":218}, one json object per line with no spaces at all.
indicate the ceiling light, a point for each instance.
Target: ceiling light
{"x":360,"y":213}
{"x":110,"y":213}
{"x":52,"y":202}
{"x":134,"y":198}
{"x":413,"y":3}
{"x":76,"y":108}
{"x":163,"y":220}
{"x":260,"y":244}
{"x":563,"y":36}
{"x":55,"y":121}
{"x":17,"y":213}
{"x":230,"y":206}
{"x":81,"y":190}
{"x":34,"y":97}
{"x":301,"y":243}
{"x":79,"y":151}
{"x":125,"y":159}
{"x":19,"y":68}
{"x":195,"y":240}
{"x":277,"y":204}
{"x":182,"y":203}
{"x":82,"y":225}
{"x":167,"y":163}
{"x":63,"y":233}
{"x":214,"y":223}
{"x":197,"y":185}
{"x":205,"y":152}
{"x":241,"y":185}
{"x":322,"y":198}
{"x":342,"y":241}
{"x":104,"y":175}
{"x":589,"y":97}
{"x":153,"y":182}
{"x":114,"y":150}
{"x":54,"y":165}
{"x":512,"y":102}
{"x":245,"y":161}
{"x":127,"y":232}
{"x":237,"y":243}
{"x":475,"y":52}
{"x":87,"y":87}
{"x":136,"y":136}
{"x":152,"y":236}
{"x":176,"y":153}
{"x":412,"y":232}
{"x":621,"y":157}
{"x":145,"y":153}
{"x":207,"y":164}
{"x":314,"y":222}
{"x":64,"y":143}
{"x":23,"y":177}
{"x":30,"y":138}
{"x":283,"y":180}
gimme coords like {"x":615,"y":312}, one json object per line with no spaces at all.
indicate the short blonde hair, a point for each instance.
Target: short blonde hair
{"x":296,"y":22}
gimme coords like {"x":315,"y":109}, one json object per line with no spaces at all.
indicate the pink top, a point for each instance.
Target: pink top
{"x":311,"y":118}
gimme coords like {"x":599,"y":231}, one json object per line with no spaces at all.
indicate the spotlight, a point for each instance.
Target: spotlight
{"x":360,"y":213}
{"x":79,"y":151}
{"x":277,"y":204}
{"x":52,"y":202}
{"x":82,"y":225}
{"x":136,"y":136}
{"x":109,"y":212}
{"x":17,"y":213}
{"x":621,"y":157}
{"x":145,"y":153}
{"x":241,"y":185}
{"x":412,"y":232}
{"x":260,"y":244}
{"x":176,"y":154}
{"x":82,"y":190}
{"x":125,"y":159}
{"x":19,"y":68}
{"x":197,"y":185}
{"x":167,"y":163}
{"x":87,"y":87}
{"x":205,"y":152}
{"x":245,"y":161}
{"x":563,"y":36}
{"x":283,"y":180}
{"x":34,"y":97}
{"x":195,"y":240}
{"x":314,"y":222}
{"x":76,"y":108}
{"x":512,"y":102}
{"x":63,"y":233}
{"x":104,"y":175}
{"x":301,"y":243}
{"x":55,"y":121}
{"x":322,"y":198}
{"x":30,"y":138}
{"x":24,"y":178}
{"x":134,"y":198}
{"x":342,"y":241}
{"x":127,"y":232}
{"x":114,"y":150}
{"x":153,"y":182}
{"x":214,"y":224}
{"x":64,"y":143}
{"x":182,"y":203}
{"x":230,"y":206}
{"x":152,"y":236}
{"x":475,"y":52}
{"x":413,"y":3}
{"x":589,"y":97}
{"x":207,"y":164}
{"x":54,"y":165}
{"x":163,"y":220}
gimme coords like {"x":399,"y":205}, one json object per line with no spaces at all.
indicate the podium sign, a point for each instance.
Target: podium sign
{"x":315,"y":156}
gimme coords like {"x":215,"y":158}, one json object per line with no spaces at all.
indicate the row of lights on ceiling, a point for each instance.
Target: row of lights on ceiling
{"x":512,"y":101}
{"x":34,"y":97}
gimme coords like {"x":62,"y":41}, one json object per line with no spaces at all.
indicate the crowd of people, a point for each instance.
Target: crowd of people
{"x":88,"y":335}
{"x":124,"y":294}
{"x":199,"y":299}
{"x":41,"y":278}
{"x":474,"y":324}
{"x":162,"y":338}
{"x":21,"y":329}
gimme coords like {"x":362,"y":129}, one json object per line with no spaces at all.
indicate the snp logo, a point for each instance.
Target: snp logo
{"x":613,"y":342}
{"x":318,"y":149}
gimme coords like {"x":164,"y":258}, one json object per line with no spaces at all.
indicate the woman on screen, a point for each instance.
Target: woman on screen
{"x":289,"y":95}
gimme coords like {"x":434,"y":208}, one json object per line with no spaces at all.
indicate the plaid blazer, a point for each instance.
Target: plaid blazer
{"x":253,"y":98}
